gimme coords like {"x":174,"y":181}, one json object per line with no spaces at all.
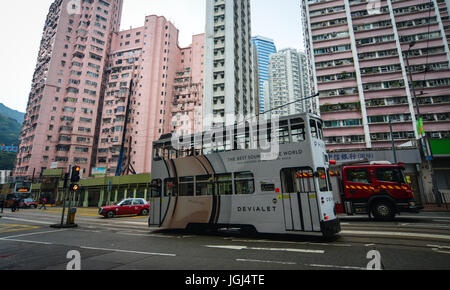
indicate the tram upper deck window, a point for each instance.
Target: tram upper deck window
{"x":320,"y":129}
{"x":316,"y":129}
{"x":313,"y":127}
{"x":157,"y":152}
{"x":242,"y":137}
{"x":283,"y":132}
{"x":298,"y":130}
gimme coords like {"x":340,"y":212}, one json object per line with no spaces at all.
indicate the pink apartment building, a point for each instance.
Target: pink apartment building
{"x":187,"y":109}
{"x":81,"y":89}
{"x":60,"y":122}
{"x":361,"y":70}
{"x":167,"y":85}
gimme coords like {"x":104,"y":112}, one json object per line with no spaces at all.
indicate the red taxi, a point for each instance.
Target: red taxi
{"x":131,"y":206}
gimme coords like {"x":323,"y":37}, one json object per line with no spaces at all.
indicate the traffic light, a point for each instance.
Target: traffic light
{"x":66,"y":180}
{"x":75,"y":187}
{"x":75,"y":177}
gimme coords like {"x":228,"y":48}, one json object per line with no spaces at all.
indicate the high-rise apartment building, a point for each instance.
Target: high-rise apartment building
{"x":158,"y":83}
{"x":141,"y":71}
{"x":97,"y":90}
{"x":288,"y":83}
{"x":66,"y":94}
{"x":359,"y":50}
{"x":229,"y":85}
{"x":187,"y":104}
{"x":263,"y":47}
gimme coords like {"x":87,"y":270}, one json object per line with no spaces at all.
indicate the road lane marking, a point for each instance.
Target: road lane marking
{"x":440,"y":251}
{"x":445,"y":221}
{"x":396,"y":234}
{"x":439,"y":247}
{"x":8,"y":228}
{"x":335,"y":266}
{"x":131,"y":252}
{"x":266,"y":249}
{"x":29,"y":221}
{"x":269,"y":262}
{"x":32,"y":234}
{"x":25,"y":241}
{"x":132,"y":223}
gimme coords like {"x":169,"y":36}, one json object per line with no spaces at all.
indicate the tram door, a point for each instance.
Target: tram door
{"x":299,"y":197}
{"x":155,"y":202}
{"x":160,"y":200}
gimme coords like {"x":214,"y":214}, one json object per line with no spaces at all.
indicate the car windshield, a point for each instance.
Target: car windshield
{"x":390,"y":174}
{"x":125,"y":202}
{"x":28,"y":200}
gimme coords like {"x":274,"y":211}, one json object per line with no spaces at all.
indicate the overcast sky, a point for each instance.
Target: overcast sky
{"x":22,"y":25}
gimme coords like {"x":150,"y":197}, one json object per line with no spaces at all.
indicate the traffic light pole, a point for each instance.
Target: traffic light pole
{"x":72,"y":176}
{"x":424,"y":141}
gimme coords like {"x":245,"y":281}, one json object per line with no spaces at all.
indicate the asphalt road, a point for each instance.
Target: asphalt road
{"x":27,"y":242}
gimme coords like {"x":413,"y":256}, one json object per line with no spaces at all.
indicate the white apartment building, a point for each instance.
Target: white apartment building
{"x":229,"y":86}
{"x":288,"y":83}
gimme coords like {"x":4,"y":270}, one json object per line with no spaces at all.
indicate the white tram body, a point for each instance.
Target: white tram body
{"x":216,"y":186}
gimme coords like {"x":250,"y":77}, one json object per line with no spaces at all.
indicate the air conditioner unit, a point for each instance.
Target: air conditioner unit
{"x":436,"y":135}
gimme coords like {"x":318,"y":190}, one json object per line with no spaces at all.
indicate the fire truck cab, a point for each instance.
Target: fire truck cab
{"x":378,"y":189}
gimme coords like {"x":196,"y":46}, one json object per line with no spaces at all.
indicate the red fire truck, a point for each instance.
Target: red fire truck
{"x":378,"y":189}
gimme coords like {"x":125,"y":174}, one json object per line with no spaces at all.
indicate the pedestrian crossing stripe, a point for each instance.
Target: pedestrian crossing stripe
{"x":7,"y":228}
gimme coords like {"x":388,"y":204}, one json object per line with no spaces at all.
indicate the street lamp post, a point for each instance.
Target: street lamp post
{"x":424,"y":141}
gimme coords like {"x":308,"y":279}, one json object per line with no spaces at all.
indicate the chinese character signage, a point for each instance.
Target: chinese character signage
{"x":7,"y":149}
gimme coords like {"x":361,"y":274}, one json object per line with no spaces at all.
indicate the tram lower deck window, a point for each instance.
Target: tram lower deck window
{"x":186,"y":186}
{"x":155,"y":188}
{"x":323,"y":182}
{"x":298,"y":180}
{"x":170,"y":187}
{"x":224,"y":184}
{"x":244,"y":183}
{"x":204,"y":185}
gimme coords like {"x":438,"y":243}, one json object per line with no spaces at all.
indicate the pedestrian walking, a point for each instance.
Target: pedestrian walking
{"x":44,"y":201}
{"x":14,"y":204}
{"x":2,"y":203}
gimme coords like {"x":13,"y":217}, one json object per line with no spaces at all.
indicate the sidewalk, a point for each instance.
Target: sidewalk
{"x":436,"y":208}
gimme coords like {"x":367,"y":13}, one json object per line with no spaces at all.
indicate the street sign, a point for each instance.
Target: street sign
{"x":98,"y":171}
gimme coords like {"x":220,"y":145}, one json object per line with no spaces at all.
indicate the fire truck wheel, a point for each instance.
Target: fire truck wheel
{"x":383,"y":210}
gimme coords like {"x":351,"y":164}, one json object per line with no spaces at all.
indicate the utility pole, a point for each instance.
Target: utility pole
{"x":393,"y":141}
{"x":424,"y":141}
{"x":119,"y":169}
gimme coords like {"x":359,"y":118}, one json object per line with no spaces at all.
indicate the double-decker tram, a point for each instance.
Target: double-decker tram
{"x":270,"y":176}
